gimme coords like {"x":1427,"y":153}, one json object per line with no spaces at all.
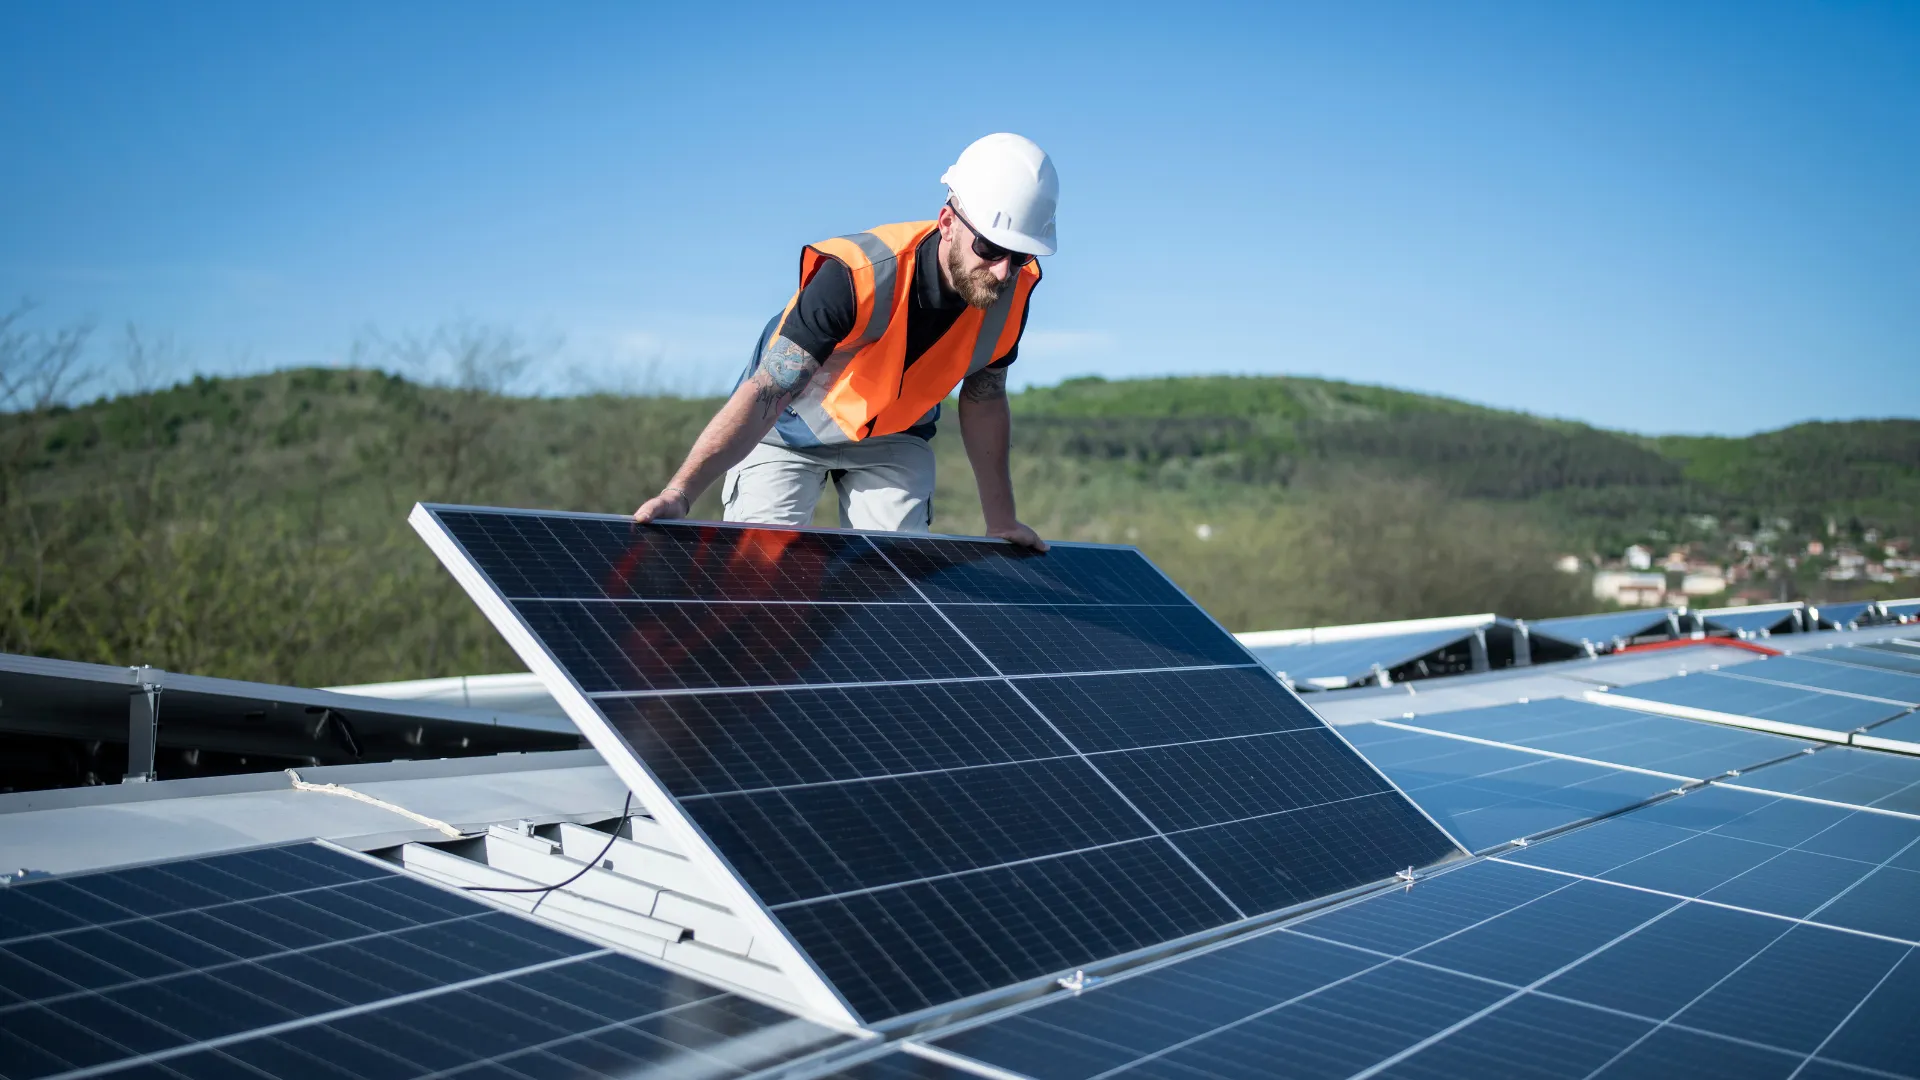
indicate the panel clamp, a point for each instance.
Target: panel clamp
{"x":1079,"y":981}
{"x":1407,"y":876}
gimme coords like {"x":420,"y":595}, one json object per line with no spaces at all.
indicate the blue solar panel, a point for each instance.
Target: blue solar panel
{"x":1355,"y":660}
{"x":305,"y":962}
{"x":1751,"y":623}
{"x":874,"y":743}
{"x":1621,"y":737}
{"x":1843,"y":616}
{"x":1808,"y":669}
{"x":1765,"y":700}
{"x":1847,"y":868}
{"x":898,"y":1064}
{"x":1490,"y":795}
{"x":1901,"y":735}
{"x":1844,"y":774}
{"x":1903,"y":660}
{"x":1492,"y":970}
{"x":1604,"y":630}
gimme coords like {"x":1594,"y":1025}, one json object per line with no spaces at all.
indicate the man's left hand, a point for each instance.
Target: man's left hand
{"x":1020,"y":534}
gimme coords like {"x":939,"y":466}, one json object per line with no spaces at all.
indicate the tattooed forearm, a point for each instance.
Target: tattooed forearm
{"x":784,"y":371}
{"x":987,"y":384}
{"x":788,"y":366}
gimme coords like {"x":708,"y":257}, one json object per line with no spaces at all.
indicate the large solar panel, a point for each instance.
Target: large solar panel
{"x":1352,"y":661}
{"x":1681,"y":749}
{"x":1753,"y":622}
{"x":1900,"y":736}
{"x":1490,"y":795}
{"x":305,"y":961}
{"x":1808,"y":670}
{"x":1848,"y":868}
{"x":1846,"y":775}
{"x":1503,"y":970}
{"x":1843,"y":616}
{"x":934,"y":768}
{"x":1602,"y":631}
{"x":1890,"y":659}
{"x":1790,"y":709}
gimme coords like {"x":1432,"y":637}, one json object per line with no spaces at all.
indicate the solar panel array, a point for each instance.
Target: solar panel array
{"x":1487,"y":796}
{"x":943,"y":767}
{"x":1735,"y":951}
{"x":1887,"y":657}
{"x":1352,"y":661}
{"x":1809,"y":670}
{"x":1901,"y":735}
{"x":1845,"y":774}
{"x":1742,"y":693}
{"x":1680,"y":750}
{"x":307,"y":962}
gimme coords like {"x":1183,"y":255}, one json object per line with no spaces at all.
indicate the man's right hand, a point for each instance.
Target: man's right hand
{"x":670,"y":503}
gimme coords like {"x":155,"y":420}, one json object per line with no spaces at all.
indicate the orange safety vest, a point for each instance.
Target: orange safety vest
{"x":866,"y":388}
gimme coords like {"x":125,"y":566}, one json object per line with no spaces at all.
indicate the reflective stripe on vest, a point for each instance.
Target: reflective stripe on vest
{"x":865,"y":388}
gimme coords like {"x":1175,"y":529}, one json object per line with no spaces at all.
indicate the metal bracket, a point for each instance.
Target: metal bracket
{"x":143,"y":726}
{"x":1407,"y":876}
{"x":1079,"y":981}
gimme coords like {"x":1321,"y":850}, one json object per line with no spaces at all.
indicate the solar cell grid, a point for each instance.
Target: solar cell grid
{"x":1049,"y":639}
{"x":812,"y":841}
{"x":557,"y":556}
{"x":1900,"y":735}
{"x":1825,"y":675}
{"x":1118,"y":712}
{"x":1843,"y":868}
{"x":925,"y":943}
{"x":1490,"y":795}
{"x":699,"y":744}
{"x":888,"y":782}
{"x":1279,"y":859}
{"x":1355,"y":660}
{"x":898,"y":1064}
{"x":303,"y":961}
{"x":1766,"y":700}
{"x":1845,"y":775}
{"x":1620,"y":737}
{"x":1195,"y":784}
{"x":637,"y":646}
{"x":1490,"y":970}
{"x":1906,"y":661}
{"x":963,"y":571}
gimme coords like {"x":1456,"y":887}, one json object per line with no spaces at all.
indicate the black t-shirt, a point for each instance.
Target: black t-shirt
{"x":827,"y":310}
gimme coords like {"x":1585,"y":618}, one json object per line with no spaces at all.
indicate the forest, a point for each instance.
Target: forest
{"x":255,"y":527}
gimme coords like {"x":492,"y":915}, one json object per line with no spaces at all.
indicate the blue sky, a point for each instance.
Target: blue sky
{"x":1661,"y":217}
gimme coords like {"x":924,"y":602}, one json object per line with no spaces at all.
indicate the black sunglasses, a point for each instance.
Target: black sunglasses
{"x":989,"y":250}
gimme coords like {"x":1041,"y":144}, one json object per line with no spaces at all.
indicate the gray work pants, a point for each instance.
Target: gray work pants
{"x":885,"y":484}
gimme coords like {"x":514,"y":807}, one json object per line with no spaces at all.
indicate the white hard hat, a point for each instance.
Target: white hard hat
{"x":1008,"y":190}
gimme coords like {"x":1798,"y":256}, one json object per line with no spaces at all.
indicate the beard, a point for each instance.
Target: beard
{"x":977,"y":288}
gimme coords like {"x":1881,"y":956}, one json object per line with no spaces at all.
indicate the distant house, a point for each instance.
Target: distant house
{"x":1707,"y":582}
{"x":1629,"y":589}
{"x":1639,"y":558}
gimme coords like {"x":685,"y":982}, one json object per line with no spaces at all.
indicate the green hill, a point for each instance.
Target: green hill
{"x":255,"y":528}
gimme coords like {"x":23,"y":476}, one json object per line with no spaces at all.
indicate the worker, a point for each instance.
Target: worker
{"x":846,"y":382}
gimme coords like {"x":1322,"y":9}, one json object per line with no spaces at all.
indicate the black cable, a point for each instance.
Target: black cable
{"x":625,"y":809}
